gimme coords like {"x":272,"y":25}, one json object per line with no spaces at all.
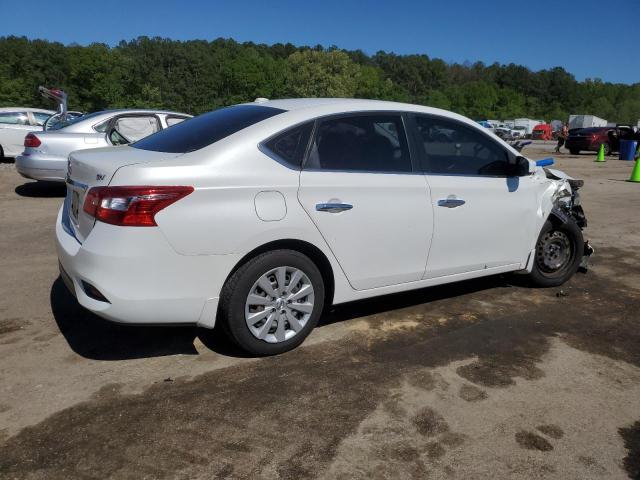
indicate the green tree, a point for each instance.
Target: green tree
{"x":313,"y":73}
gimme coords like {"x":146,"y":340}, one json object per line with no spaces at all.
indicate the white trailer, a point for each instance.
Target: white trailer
{"x":528,"y":125}
{"x":586,"y":121}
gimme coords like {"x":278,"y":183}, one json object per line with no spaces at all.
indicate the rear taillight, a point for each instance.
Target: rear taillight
{"x":31,"y":141}
{"x":131,"y":206}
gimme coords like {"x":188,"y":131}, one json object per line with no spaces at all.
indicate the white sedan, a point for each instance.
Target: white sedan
{"x":15,"y":123}
{"x":260,"y":215}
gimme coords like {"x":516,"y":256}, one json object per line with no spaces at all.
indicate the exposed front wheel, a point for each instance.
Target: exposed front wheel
{"x":272,"y":302}
{"x":558,"y":254}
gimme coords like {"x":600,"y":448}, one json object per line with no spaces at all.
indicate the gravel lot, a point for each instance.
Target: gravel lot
{"x":483,"y":379}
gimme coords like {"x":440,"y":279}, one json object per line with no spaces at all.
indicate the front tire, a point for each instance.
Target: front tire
{"x":558,"y":254}
{"x":574,"y":151}
{"x":271,"y":303}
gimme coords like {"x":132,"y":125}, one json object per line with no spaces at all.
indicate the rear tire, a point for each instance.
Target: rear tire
{"x":558,"y":253}
{"x":261,"y":307}
{"x":607,"y":149}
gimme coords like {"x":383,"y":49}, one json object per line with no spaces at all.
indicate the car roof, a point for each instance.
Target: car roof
{"x":26,"y":109}
{"x":97,"y":117}
{"x":592,"y":129}
{"x":327,"y":106}
{"x":137,"y":110}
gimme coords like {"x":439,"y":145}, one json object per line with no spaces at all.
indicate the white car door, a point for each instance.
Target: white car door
{"x":483,"y":218}
{"x":14,"y":126}
{"x":359,"y":188}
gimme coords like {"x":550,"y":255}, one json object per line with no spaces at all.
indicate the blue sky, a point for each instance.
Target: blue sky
{"x":589,"y":38}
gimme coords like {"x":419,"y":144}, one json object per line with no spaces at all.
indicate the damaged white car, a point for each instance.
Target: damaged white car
{"x":259,"y":216}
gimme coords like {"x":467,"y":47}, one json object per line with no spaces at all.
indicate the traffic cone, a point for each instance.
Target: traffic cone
{"x":600,"y":157}
{"x":635,"y":173}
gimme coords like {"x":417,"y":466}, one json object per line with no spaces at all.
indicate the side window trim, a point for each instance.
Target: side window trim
{"x":403,"y":119}
{"x":423,"y":160}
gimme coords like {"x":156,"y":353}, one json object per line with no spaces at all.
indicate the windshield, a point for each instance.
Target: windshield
{"x":205,"y":129}
{"x":59,"y":123}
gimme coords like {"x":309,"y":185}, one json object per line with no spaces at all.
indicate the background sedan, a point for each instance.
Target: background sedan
{"x":45,"y":153}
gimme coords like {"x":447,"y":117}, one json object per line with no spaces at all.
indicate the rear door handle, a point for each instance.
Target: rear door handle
{"x":333,"y":207}
{"x":451,"y":202}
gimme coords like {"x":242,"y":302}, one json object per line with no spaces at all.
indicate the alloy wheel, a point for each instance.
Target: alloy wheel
{"x":279,"y":304}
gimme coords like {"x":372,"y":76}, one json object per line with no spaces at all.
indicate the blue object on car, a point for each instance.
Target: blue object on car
{"x":545,"y":162}
{"x":628,"y":149}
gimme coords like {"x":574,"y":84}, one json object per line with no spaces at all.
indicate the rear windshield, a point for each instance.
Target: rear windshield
{"x":205,"y":129}
{"x":70,"y":119}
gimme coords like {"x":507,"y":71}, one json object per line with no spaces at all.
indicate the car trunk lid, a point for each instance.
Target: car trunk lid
{"x":95,"y":168}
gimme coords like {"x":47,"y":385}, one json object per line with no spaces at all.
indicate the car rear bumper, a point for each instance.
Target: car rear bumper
{"x":50,"y":169}
{"x":141,"y":278}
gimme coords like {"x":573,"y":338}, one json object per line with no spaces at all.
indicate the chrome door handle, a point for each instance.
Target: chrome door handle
{"x":333,"y":207}
{"x":451,"y":202}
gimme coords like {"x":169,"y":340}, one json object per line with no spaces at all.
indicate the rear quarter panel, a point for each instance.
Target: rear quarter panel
{"x":220,"y":217}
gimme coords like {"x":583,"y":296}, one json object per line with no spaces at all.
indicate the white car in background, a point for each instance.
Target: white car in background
{"x":259,"y":215}
{"x":15,"y":123}
{"x":46,"y":153}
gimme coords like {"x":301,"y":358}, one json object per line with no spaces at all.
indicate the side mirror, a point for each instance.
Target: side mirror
{"x":518,"y":166}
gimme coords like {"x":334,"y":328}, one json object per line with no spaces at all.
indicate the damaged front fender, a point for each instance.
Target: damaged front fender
{"x":567,"y":206}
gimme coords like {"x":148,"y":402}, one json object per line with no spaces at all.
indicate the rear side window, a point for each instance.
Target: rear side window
{"x":41,"y":117}
{"x":203,"y":130}
{"x":290,"y":146}
{"x":452,"y":148}
{"x":361,"y":143}
{"x":135,"y":128}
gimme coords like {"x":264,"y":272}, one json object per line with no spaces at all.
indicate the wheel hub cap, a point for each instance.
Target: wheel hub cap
{"x":279,"y":304}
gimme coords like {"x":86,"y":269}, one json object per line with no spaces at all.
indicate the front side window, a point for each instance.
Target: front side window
{"x":291,"y":145}
{"x":206,"y":129}
{"x":452,"y":148}
{"x":365,"y":143}
{"x":135,"y":128}
{"x":14,"y":118}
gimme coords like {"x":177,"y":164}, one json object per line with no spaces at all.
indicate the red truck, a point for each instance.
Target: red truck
{"x":542,"y":131}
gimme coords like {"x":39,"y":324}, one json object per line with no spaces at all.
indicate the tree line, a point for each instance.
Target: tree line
{"x":197,"y":76}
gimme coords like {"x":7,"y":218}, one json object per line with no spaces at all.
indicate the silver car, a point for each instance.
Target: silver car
{"x":45,"y":153}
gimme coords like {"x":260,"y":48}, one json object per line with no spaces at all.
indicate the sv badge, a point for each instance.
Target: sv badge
{"x":100,"y":176}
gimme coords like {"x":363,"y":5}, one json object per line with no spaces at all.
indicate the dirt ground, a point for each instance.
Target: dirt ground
{"x":482,"y":379}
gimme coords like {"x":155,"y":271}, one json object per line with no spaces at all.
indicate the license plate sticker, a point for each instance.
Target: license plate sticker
{"x":75,"y":200}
